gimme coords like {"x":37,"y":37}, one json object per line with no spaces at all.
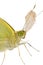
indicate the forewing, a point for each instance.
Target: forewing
{"x":5,"y":29}
{"x":6,"y":32}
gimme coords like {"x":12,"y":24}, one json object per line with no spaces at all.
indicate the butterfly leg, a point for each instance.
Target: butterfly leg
{"x":24,"y":42}
{"x":27,"y":50}
{"x":20,"y":56}
{"x":3,"y":58}
{"x":33,"y":47}
{"x":25,"y":47}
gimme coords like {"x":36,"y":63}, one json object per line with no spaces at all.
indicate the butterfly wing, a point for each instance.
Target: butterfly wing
{"x":5,"y":28}
{"x":6,"y":31}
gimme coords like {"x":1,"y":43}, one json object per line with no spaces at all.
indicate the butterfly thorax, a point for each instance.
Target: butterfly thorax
{"x":16,"y":38}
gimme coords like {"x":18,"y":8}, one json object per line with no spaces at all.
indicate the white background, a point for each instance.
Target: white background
{"x":14,"y":12}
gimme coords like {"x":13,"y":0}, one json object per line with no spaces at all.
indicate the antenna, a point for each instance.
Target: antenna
{"x":34,"y":7}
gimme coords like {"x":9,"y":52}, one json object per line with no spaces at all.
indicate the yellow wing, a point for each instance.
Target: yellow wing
{"x":6,"y":32}
{"x":5,"y":29}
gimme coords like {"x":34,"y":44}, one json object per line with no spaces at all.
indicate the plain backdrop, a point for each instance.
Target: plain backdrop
{"x":14,"y":12}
